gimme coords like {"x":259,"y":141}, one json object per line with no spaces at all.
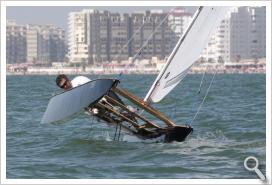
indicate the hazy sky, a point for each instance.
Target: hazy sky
{"x":58,"y":15}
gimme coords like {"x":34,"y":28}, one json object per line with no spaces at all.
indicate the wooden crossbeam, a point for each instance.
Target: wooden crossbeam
{"x":134,"y":99}
{"x":133,"y":113}
{"x":120,"y":115}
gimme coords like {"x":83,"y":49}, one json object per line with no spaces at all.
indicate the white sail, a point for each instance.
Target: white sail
{"x":187,"y":51}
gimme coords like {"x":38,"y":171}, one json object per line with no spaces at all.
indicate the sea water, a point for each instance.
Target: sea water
{"x":230,"y":126}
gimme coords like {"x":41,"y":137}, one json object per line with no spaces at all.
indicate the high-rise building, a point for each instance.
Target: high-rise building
{"x":218,"y":47}
{"x":247,"y":37}
{"x":32,"y":43}
{"x":119,"y":34}
{"x":152,"y":35}
{"x":97,"y":36}
{"x":45,"y":44}
{"x":100,"y":36}
{"x":179,"y":19}
{"x":136,"y":42}
{"x":241,"y":35}
{"x":89,"y":36}
{"x":78,"y":49}
{"x":15,"y":43}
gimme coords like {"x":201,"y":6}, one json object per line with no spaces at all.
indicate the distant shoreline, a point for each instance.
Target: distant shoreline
{"x":132,"y":73}
{"x":248,"y":67}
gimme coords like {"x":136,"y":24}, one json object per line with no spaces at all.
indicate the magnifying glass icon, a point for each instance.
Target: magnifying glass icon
{"x":254,"y":168}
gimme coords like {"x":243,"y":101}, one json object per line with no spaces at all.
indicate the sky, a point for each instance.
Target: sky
{"x":59,"y":15}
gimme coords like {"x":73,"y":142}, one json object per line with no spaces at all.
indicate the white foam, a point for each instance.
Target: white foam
{"x":131,"y":138}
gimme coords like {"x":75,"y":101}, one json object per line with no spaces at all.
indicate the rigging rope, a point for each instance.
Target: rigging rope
{"x":151,"y":35}
{"x":129,"y":40}
{"x":200,"y":85}
{"x":115,"y":132}
{"x":206,"y":94}
{"x":119,"y":132}
{"x":146,"y":42}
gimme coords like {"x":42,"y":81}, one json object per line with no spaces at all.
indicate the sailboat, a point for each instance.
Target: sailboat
{"x":103,"y":95}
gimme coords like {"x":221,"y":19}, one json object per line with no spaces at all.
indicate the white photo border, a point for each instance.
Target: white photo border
{"x":5,"y":4}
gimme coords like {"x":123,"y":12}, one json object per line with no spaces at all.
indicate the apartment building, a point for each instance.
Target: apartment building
{"x":241,"y":35}
{"x":37,"y":44}
{"x":248,"y":28}
{"x":77,"y":38}
{"x":45,"y":44}
{"x":152,"y":35}
{"x":119,"y":33}
{"x":100,"y":36}
{"x":179,"y":19}
{"x":218,"y":47}
{"x":89,"y":36}
{"x":15,"y":43}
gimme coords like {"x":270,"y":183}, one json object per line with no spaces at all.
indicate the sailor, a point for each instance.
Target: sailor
{"x":63,"y":82}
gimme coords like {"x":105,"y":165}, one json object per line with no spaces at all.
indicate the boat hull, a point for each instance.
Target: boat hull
{"x":66,"y":104}
{"x":177,"y":133}
{"x":167,"y":135}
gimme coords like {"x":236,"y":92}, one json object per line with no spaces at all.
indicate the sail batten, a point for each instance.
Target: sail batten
{"x":186,"y":52}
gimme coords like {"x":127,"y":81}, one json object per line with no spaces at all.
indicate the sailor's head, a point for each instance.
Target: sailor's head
{"x":63,"y":82}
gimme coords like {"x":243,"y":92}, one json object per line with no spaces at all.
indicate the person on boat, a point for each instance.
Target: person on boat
{"x":64,"y":83}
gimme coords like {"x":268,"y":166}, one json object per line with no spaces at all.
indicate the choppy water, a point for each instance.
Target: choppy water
{"x":229,"y":127}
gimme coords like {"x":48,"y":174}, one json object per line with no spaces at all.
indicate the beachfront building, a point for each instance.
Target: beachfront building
{"x":45,"y":44}
{"x":179,"y":19}
{"x":32,"y":43}
{"x":152,"y":35}
{"x":248,"y":33}
{"x":218,"y":48}
{"x":137,"y":23}
{"x":78,"y":50}
{"x":88,"y":39}
{"x":241,"y":35}
{"x":100,"y":36}
{"x":119,"y":35}
{"x":15,"y":43}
